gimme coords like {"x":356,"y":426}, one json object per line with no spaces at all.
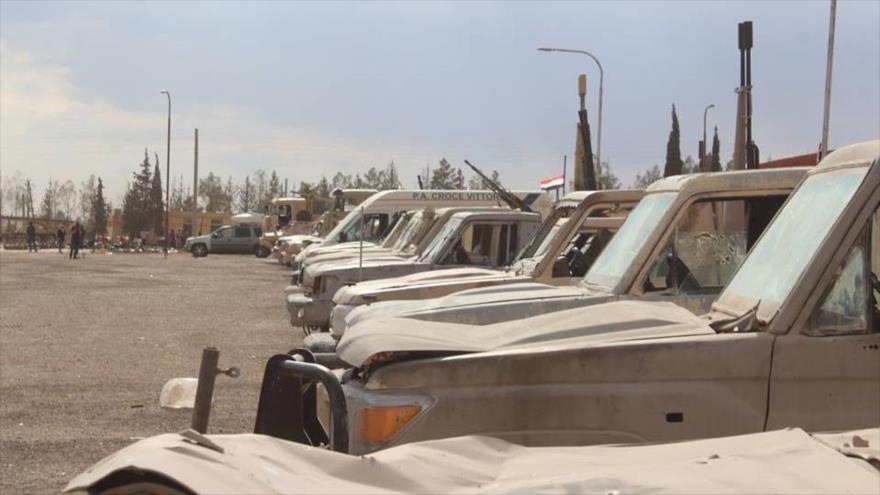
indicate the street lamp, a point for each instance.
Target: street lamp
{"x":167,"y":170}
{"x":601,"y":77}
{"x":705,"y":143}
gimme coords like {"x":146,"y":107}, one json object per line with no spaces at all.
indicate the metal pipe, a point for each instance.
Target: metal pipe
{"x":205,"y":390}
{"x":195,"y":189}
{"x":823,"y":150}
{"x":705,"y":143}
{"x":338,"y":407}
{"x":601,"y":92}
{"x":167,"y":171}
{"x":361,"y":250}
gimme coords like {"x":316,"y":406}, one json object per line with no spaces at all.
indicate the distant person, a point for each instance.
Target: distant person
{"x":31,"y":237}
{"x":76,"y":235}
{"x":60,"y":238}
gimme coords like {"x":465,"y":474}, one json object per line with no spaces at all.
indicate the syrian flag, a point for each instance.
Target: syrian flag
{"x":552,"y":182}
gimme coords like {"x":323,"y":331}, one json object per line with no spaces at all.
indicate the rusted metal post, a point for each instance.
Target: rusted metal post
{"x":205,"y":390}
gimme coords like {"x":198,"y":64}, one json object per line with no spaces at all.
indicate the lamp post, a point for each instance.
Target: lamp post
{"x":705,"y":143}
{"x":601,"y":78}
{"x":167,"y":170}
{"x":829,"y":63}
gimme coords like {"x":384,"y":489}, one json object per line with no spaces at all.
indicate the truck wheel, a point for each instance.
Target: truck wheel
{"x":261,"y":251}
{"x":199,"y":250}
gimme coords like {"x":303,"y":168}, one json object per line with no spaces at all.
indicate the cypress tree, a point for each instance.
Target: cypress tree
{"x":673,"y":149}
{"x":716,"y":152}
{"x":155,"y":205}
{"x":99,"y":210}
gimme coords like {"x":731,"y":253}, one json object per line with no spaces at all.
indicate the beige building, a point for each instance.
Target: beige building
{"x":179,"y":221}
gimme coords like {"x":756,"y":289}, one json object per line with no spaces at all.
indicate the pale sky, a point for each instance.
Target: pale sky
{"x":312,"y":88}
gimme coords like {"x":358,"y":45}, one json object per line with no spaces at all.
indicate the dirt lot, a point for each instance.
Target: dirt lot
{"x":86,"y":345}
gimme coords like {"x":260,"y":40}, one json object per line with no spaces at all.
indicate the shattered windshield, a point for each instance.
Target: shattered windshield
{"x":545,"y":244}
{"x":619,"y":254}
{"x":432,"y":252}
{"x":781,"y":255}
{"x":404,"y":242}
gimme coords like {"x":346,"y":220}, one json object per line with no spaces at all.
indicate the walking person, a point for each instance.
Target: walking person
{"x":31,"y":237}
{"x":59,"y":236}
{"x":76,"y":234}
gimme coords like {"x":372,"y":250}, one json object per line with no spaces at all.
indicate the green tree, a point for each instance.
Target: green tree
{"x":673,"y":149}
{"x":443,"y":177}
{"x":391,"y":179}
{"x":99,"y":210}
{"x":690,"y":166}
{"x":373,"y":178}
{"x":716,"y":152}
{"x":274,"y":188}
{"x":606,"y":178}
{"x":49,"y":205}
{"x":648,"y":177}
{"x":212,"y":193}
{"x":155,"y":206}
{"x":475,"y":182}
{"x":136,"y":203}
{"x":246,"y":195}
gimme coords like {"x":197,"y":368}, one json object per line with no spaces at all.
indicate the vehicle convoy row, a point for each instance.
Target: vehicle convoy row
{"x":421,"y":229}
{"x":560,"y":253}
{"x":466,"y":238}
{"x":792,"y":340}
{"x":724,"y":305}
{"x":375,"y":216}
{"x":680,"y":244}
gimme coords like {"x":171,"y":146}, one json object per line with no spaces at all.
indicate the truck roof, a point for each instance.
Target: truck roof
{"x":573,"y":199}
{"x":735,"y":180}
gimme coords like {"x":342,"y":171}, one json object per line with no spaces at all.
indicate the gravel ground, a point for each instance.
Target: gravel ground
{"x":86,"y":345}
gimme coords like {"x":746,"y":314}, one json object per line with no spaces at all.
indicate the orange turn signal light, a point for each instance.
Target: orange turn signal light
{"x":378,"y":424}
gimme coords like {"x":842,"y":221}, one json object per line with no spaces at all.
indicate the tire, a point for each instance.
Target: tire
{"x":199,"y":250}
{"x":261,"y":251}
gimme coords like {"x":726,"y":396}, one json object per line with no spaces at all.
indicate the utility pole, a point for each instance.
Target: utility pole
{"x":195,"y":188}
{"x":564,"y":171}
{"x":745,"y":151}
{"x":167,"y":171}
{"x":823,"y":149}
{"x":703,"y":143}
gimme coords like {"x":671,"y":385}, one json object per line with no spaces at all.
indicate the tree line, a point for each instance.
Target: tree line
{"x":62,"y":200}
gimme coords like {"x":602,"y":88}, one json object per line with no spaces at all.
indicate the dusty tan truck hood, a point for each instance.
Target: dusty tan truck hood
{"x":601,"y":323}
{"x":420,"y":281}
{"x":784,"y":461}
{"x":369,"y":251}
{"x":346,"y":265}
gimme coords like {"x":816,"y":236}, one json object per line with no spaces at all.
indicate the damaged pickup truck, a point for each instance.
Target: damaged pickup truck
{"x":792,"y":341}
{"x":481,"y":238}
{"x":681,"y":244}
{"x":569,"y":240}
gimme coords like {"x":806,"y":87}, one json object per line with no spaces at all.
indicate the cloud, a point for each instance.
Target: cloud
{"x":49,"y":131}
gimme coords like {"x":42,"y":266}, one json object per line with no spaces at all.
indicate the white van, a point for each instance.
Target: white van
{"x":381,"y":211}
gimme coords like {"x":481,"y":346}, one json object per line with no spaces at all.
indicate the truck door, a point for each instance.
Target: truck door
{"x":221,"y":240}
{"x":826,"y":374}
{"x":241,"y":239}
{"x":472,"y":246}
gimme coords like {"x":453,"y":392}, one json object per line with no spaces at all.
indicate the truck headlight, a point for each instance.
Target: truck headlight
{"x":379,"y":424}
